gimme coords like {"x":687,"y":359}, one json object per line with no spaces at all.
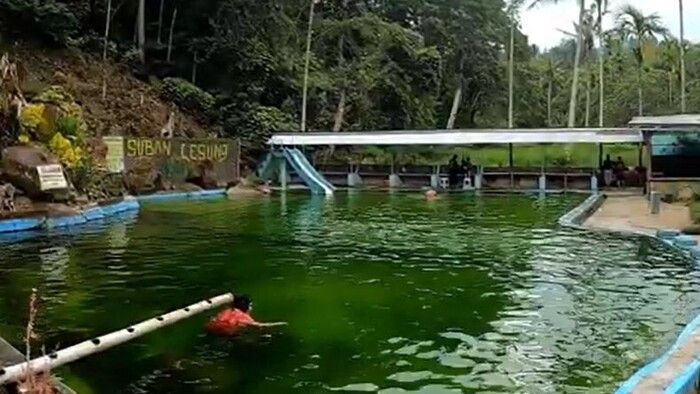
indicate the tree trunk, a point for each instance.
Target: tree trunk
{"x":160,"y":21}
{"x":670,"y":88}
{"x":170,"y":37}
{"x":683,"y":98}
{"x":339,"y":113}
{"x":588,"y":99}
{"x":307,"y":61}
{"x":194,"y":68}
{"x":640,"y":92}
{"x":601,"y":74}
{"x":511,"y":66}
{"x":549,"y":104}
{"x":577,"y":62}
{"x":108,"y":20}
{"x":141,"y":27}
{"x":340,"y":110}
{"x":455,"y":107}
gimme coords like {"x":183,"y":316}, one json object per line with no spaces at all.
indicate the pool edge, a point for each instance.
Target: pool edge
{"x":686,"y":380}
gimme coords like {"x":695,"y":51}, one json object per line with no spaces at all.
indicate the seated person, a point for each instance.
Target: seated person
{"x":235,"y":318}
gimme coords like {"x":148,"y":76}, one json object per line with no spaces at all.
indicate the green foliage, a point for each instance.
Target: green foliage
{"x":189,"y":97}
{"x":253,"y":125}
{"x":46,"y":20}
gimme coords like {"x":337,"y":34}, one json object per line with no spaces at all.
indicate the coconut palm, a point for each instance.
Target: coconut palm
{"x":577,"y":58}
{"x":670,"y":59}
{"x":641,"y":29}
{"x":680,"y":7}
{"x":586,"y":30}
{"x":551,"y":76}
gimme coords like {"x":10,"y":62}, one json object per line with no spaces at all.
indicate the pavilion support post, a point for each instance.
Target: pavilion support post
{"x":478,"y":178}
{"x":510,"y":164}
{"x":435,"y":178}
{"x":647,"y":143}
{"x":640,"y":148}
{"x":283,"y":174}
{"x":600,"y":156}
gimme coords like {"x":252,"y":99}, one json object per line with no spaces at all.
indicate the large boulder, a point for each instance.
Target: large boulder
{"x":19,"y":167}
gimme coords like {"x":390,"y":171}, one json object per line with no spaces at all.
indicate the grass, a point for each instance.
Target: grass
{"x":574,"y":155}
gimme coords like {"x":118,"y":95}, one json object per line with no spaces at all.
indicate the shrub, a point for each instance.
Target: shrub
{"x":255,"y":124}
{"x":190,"y":98}
{"x":33,"y":121}
{"x":46,"y":20}
{"x":70,"y":119}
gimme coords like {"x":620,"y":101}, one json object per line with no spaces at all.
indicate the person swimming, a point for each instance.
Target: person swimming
{"x":235,"y":318}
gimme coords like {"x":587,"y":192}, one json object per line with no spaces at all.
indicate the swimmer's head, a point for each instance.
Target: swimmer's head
{"x":242,"y":303}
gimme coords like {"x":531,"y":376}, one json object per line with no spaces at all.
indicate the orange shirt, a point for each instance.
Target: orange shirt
{"x":229,"y":322}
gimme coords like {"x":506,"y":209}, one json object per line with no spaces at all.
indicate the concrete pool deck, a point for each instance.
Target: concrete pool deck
{"x":631,"y":214}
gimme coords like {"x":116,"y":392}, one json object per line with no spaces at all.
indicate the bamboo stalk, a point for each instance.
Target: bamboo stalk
{"x":51,"y":361}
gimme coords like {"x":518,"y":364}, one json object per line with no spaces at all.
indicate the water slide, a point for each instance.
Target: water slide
{"x":315,"y":181}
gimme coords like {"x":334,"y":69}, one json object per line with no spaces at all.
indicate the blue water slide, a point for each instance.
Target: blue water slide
{"x":312,"y":178}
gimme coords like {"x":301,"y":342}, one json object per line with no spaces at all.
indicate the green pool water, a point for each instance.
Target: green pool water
{"x":382,"y":292}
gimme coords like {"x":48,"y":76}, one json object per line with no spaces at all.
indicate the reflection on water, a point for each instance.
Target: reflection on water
{"x":383,"y":293}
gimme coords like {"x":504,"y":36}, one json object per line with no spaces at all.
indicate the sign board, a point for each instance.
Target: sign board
{"x":115,"y":154}
{"x":175,"y":159}
{"x":51,"y":177}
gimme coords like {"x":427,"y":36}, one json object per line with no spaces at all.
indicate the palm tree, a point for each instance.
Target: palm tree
{"x":601,"y":7}
{"x":639,"y":28}
{"x":577,"y":59}
{"x":670,"y":58}
{"x":586,"y":31}
{"x":680,"y":6}
{"x":551,"y":77}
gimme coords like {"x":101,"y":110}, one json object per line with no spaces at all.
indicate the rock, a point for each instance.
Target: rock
{"x":188,"y":187}
{"x":7,"y":198}
{"x":57,"y":210}
{"x":18,"y":166}
{"x":241,"y":190}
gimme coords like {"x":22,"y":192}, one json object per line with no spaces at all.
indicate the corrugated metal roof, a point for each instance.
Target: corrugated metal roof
{"x":461,"y":137}
{"x":684,"y":122}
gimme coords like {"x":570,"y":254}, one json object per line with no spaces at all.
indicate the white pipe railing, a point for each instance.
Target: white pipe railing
{"x":56,"y":359}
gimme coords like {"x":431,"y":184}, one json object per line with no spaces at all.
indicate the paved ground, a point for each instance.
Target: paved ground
{"x":632,"y":213}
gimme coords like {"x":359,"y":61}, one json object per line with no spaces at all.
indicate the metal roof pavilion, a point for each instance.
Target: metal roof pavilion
{"x":675,"y":122}
{"x":462,"y":137}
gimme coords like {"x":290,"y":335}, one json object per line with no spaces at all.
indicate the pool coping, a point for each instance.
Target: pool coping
{"x":688,"y":378}
{"x":130,"y":203}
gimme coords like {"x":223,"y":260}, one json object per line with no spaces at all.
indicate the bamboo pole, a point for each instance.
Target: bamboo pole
{"x":53,"y":360}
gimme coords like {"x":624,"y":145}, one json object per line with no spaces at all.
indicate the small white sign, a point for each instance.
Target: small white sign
{"x":115,"y":153}
{"x":51,"y":177}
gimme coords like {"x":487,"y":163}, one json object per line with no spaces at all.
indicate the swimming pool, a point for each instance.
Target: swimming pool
{"x":383,"y":292}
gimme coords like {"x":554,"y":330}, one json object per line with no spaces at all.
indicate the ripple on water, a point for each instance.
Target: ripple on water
{"x":383,"y":294}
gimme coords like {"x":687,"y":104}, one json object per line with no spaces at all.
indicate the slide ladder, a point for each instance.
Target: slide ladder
{"x":316,"y":182}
